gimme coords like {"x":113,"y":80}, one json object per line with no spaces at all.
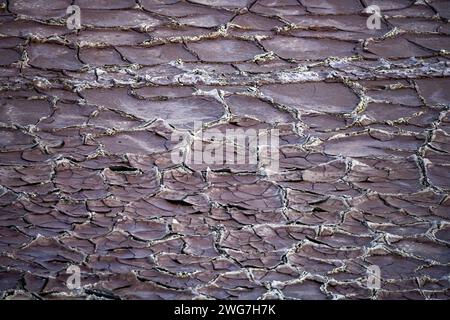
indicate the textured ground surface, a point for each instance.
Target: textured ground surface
{"x":86,"y":178}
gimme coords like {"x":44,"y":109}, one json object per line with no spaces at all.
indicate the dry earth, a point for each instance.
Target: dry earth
{"x":86,"y":178}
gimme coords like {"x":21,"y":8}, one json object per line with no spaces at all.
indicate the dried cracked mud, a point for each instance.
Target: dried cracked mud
{"x":86,"y":177}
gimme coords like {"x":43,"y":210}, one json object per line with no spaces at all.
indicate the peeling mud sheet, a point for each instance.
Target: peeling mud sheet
{"x":87,"y":180}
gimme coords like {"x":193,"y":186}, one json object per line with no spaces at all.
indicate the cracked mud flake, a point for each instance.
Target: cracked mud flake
{"x":329,"y":171}
{"x":374,"y":143}
{"x":325,"y":97}
{"x":131,"y":186}
{"x":183,"y":180}
{"x":40,"y":9}
{"x":399,"y":47}
{"x":439,"y":175}
{"x":386,"y":112}
{"x":333,"y":7}
{"x":143,"y":229}
{"x":118,"y":18}
{"x":341,"y":27}
{"x":323,"y":124}
{"x":47,"y":256}
{"x":277,"y":8}
{"x":71,"y":182}
{"x":87,"y":119}
{"x":435,"y":92}
{"x":247,"y":188}
{"x":249,"y":106}
{"x":9,"y":56}
{"x":189,"y":14}
{"x":435,"y":43}
{"x":391,"y":5}
{"x":186,"y":263}
{"x":12,"y":239}
{"x":179,"y":32}
{"x":105,"y":4}
{"x":24,"y":28}
{"x":417,"y":25}
{"x":305,"y":290}
{"x":139,"y":142}
{"x":14,"y":139}
{"x":223,"y":3}
{"x":53,"y":56}
{"x":442,"y":7}
{"x":156,"y":55}
{"x":415,"y":11}
{"x":23,"y":112}
{"x":163,"y":92}
{"x":386,"y":176}
{"x":11,"y":42}
{"x":19,"y":178}
{"x":322,"y":259}
{"x":439,"y":140}
{"x":87,"y":38}
{"x":308,"y":49}
{"x":232,"y":286}
{"x":107,"y":120}
{"x":256,"y":22}
{"x":405,"y":96}
{"x":225,"y":50}
{"x":66,"y":115}
{"x":178,"y":112}
{"x":424,"y":248}
{"x":101,"y":57}
{"x":281,"y":273}
{"x":262,"y":196}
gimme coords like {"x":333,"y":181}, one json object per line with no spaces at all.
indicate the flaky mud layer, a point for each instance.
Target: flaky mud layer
{"x":87,"y":119}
